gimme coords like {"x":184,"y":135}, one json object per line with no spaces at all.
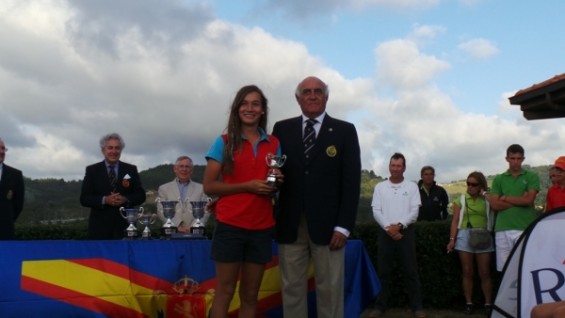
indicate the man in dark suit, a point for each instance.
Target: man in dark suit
{"x":318,"y":201}
{"x":107,"y":186}
{"x":11,"y":196}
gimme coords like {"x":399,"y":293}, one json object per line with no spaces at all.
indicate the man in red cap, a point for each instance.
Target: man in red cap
{"x":556,"y":194}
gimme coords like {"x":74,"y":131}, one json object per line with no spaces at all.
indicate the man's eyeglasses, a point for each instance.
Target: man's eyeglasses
{"x":471,"y":184}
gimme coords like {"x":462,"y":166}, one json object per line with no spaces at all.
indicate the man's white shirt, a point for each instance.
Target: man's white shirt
{"x":395,"y":203}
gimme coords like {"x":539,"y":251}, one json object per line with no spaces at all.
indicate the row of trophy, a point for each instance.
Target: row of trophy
{"x":134,"y":215}
{"x":169,"y":228}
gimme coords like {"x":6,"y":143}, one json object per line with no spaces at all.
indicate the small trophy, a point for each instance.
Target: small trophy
{"x":169,"y":210}
{"x":146,"y":219}
{"x":274,"y":162}
{"x":198,"y":207}
{"x":131,"y":216}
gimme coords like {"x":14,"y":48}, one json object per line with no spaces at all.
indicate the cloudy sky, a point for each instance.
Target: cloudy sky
{"x":428,"y":78}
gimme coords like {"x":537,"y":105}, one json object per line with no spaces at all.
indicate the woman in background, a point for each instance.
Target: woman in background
{"x":472,"y":210}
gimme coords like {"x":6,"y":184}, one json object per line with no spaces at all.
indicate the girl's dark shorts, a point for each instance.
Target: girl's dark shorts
{"x":232,"y":244}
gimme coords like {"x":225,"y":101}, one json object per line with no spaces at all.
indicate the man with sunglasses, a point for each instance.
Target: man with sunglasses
{"x":512,"y":197}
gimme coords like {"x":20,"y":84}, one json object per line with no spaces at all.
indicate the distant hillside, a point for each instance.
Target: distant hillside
{"x":152,"y":178}
{"x":56,"y":200}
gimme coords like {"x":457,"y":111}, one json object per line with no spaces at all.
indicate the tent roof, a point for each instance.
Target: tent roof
{"x":542,"y":100}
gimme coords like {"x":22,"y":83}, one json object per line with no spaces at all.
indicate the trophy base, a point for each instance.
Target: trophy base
{"x":169,"y":232}
{"x":197,"y":231}
{"x":130,"y":235}
{"x":187,"y":236}
{"x":272,"y":181}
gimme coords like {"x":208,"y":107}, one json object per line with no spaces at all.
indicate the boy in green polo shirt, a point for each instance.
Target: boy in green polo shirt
{"x":512,"y":195}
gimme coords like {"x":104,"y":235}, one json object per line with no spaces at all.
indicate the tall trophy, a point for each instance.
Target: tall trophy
{"x":146,"y":219}
{"x":169,"y":209}
{"x":198,"y":207}
{"x":274,"y":162}
{"x":131,"y":216}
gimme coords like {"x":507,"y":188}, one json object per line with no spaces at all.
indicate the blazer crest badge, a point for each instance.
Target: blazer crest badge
{"x":331,"y":151}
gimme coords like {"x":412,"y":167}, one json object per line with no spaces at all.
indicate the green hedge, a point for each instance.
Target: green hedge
{"x":440,"y":273}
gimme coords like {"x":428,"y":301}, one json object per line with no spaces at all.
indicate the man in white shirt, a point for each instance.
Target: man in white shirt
{"x":395,"y":207}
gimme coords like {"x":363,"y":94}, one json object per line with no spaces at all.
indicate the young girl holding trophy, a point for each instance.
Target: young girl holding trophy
{"x":236,"y":171}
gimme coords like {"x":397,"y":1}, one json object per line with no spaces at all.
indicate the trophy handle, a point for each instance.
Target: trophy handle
{"x":283,"y":160}
{"x":153,"y":218}
{"x":268,"y":159}
{"x":122,"y":212}
{"x":140,"y":211}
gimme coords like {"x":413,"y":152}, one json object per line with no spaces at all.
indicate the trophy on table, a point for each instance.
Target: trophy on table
{"x":274,"y":162}
{"x":198,"y":210}
{"x":146,"y":219}
{"x":169,"y":210}
{"x":131,"y":215}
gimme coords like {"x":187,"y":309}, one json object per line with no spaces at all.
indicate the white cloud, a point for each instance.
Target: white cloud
{"x":71,"y":72}
{"x":165,"y":97}
{"x":479,"y":48}
{"x":406,"y":4}
{"x":400,"y":64}
{"x":298,"y":9}
{"x":422,"y":122}
{"x":425,"y":32}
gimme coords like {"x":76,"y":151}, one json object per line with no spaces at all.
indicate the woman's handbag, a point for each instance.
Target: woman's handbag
{"x":479,"y":238}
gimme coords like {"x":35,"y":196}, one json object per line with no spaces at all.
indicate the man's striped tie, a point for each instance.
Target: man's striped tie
{"x":309,"y":136}
{"x":112,"y":177}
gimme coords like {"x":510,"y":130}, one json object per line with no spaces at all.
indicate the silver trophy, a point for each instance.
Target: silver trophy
{"x":198,"y":208}
{"x":274,"y":162}
{"x":131,"y":215}
{"x":169,"y":210}
{"x":146,"y":219}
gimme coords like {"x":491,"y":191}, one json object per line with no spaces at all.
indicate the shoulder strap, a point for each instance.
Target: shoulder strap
{"x":464,"y":204}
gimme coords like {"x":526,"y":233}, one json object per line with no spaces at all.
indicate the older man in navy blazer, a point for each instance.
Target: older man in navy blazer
{"x":318,"y":201}
{"x":11,"y":196}
{"x":107,"y":186}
